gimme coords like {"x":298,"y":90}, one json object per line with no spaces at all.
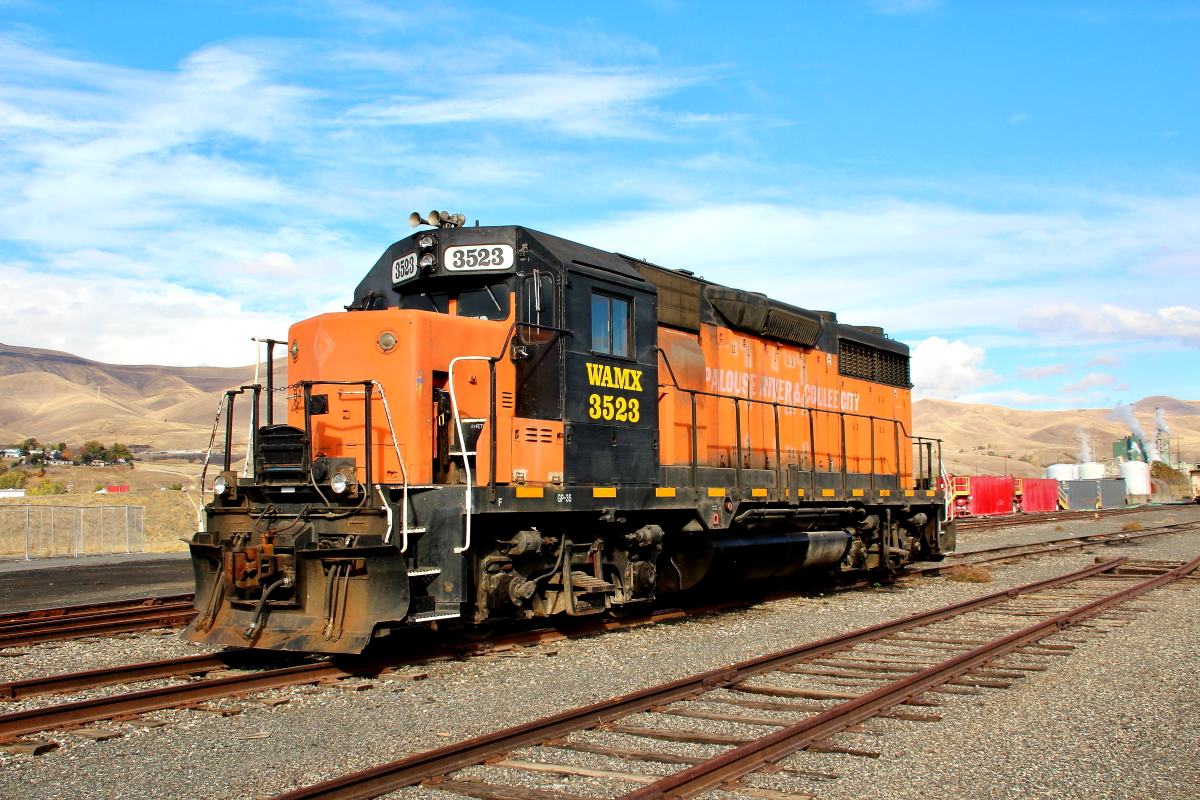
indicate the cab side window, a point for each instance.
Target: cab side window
{"x":610,"y":325}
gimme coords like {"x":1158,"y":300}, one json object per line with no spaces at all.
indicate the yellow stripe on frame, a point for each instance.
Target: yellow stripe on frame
{"x":758,"y":492}
{"x":885,"y":492}
{"x":827,"y":492}
{"x":856,"y":492}
{"x":661,"y":492}
{"x":716,"y":492}
{"x":800,"y":493}
{"x":930,"y":492}
{"x":604,"y":491}
{"x":530,"y":491}
{"x":909,"y":492}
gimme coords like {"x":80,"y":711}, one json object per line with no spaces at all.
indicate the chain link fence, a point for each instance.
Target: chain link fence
{"x":28,"y":532}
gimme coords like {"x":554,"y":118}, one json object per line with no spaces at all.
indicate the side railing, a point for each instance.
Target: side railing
{"x":924,"y":466}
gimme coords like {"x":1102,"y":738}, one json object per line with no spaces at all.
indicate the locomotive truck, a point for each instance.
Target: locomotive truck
{"x":505,"y":425}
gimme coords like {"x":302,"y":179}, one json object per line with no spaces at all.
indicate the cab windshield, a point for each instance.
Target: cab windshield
{"x":489,"y":301}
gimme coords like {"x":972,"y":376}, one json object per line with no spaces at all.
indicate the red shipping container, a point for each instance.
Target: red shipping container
{"x":112,"y":489}
{"x":982,"y":495}
{"x":1036,"y":495}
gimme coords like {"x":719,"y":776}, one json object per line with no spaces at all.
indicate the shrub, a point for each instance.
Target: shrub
{"x":48,"y":486}
{"x":14,"y":479}
{"x":176,"y":487}
{"x":969,"y":574}
{"x":1131,"y":526}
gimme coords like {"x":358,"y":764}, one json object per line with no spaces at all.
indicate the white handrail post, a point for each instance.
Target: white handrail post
{"x":462,"y":445}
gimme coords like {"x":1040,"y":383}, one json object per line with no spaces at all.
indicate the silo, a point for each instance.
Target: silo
{"x":1063,"y":472}
{"x":1137,"y":477}
{"x":1091,"y":471}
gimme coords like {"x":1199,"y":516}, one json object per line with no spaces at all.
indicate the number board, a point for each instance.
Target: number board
{"x":481,"y":256}
{"x":404,"y":268}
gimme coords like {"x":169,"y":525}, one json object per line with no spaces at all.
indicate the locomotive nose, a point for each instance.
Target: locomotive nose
{"x":321,"y":600}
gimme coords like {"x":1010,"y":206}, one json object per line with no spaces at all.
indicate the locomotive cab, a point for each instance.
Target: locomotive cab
{"x":505,"y":424}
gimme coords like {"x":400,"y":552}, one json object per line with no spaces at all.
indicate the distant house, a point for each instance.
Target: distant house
{"x":12,"y":452}
{"x":12,"y":492}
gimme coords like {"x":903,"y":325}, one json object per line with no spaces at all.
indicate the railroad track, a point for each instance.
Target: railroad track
{"x":258,"y":678}
{"x":809,"y":694}
{"x":979,"y":523}
{"x":100,"y":619}
{"x":988,"y":555}
{"x":90,"y":608}
{"x":105,"y":619}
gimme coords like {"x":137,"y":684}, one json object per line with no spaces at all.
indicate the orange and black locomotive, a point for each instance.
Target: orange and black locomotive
{"x":506,"y":425}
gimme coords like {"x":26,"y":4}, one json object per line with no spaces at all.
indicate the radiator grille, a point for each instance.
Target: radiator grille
{"x":791,"y":328}
{"x":871,"y":364}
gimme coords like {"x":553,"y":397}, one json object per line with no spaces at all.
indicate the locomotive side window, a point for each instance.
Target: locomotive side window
{"x":537,"y":307}
{"x":610,"y":325}
{"x":485,"y":302}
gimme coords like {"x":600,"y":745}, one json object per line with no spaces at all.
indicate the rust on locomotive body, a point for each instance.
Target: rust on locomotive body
{"x":506,"y":425}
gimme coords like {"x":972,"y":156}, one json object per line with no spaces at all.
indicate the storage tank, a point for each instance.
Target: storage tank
{"x":1137,"y":477}
{"x":1091,"y":471}
{"x":1063,"y":472}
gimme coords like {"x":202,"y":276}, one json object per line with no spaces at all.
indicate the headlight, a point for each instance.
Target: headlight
{"x":340,"y":483}
{"x":428,"y":260}
{"x":426,"y":242}
{"x":220,"y":485}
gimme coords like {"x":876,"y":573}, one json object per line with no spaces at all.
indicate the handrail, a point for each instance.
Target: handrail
{"x":462,"y":442}
{"x":898,"y":427}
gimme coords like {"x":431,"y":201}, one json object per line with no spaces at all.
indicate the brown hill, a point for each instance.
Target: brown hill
{"x":1033,"y":439}
{"x":55,"y":396}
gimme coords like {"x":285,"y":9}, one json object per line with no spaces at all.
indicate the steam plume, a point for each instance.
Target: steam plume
{"x":1160,"y":419}
{"x":1085,"y":446}
{"x":1125,"y":414}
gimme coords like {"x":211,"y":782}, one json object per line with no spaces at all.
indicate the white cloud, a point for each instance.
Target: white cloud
{"x":130,"y":321}
{"x":1107,"y":360}
{"x":1037,"y":373}
{"x":1089,"y":381}
{"x":570,"y":100}
{"x":1113,"y":323}
{"x":1020,"y":116}
{"x":984,"y":264}
{"x":948,"y":370}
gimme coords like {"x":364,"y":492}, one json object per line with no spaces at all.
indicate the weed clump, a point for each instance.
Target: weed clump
{"x":969,"y":574}
{"x":1132,"y":526}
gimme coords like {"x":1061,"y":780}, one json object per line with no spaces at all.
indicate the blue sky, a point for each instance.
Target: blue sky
{"x":1012,"y":188}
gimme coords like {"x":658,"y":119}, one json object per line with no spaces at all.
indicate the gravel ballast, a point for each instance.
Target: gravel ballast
{"x":1118,"y":718}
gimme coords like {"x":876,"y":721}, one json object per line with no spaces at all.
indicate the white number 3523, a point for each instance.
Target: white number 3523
{"x":483,"y":256}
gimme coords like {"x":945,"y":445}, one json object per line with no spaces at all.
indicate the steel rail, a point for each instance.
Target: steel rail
{"x":128,"y":673}
{"x":65,"y":612}
{"x":52,"y":629}
{"x":140,"y":702}
{"x":975,"y":523}
{"x":1050,"y":546}
{"x":750,"y":757}
{"x":190,"y":665}
{"x":385,"y":778}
